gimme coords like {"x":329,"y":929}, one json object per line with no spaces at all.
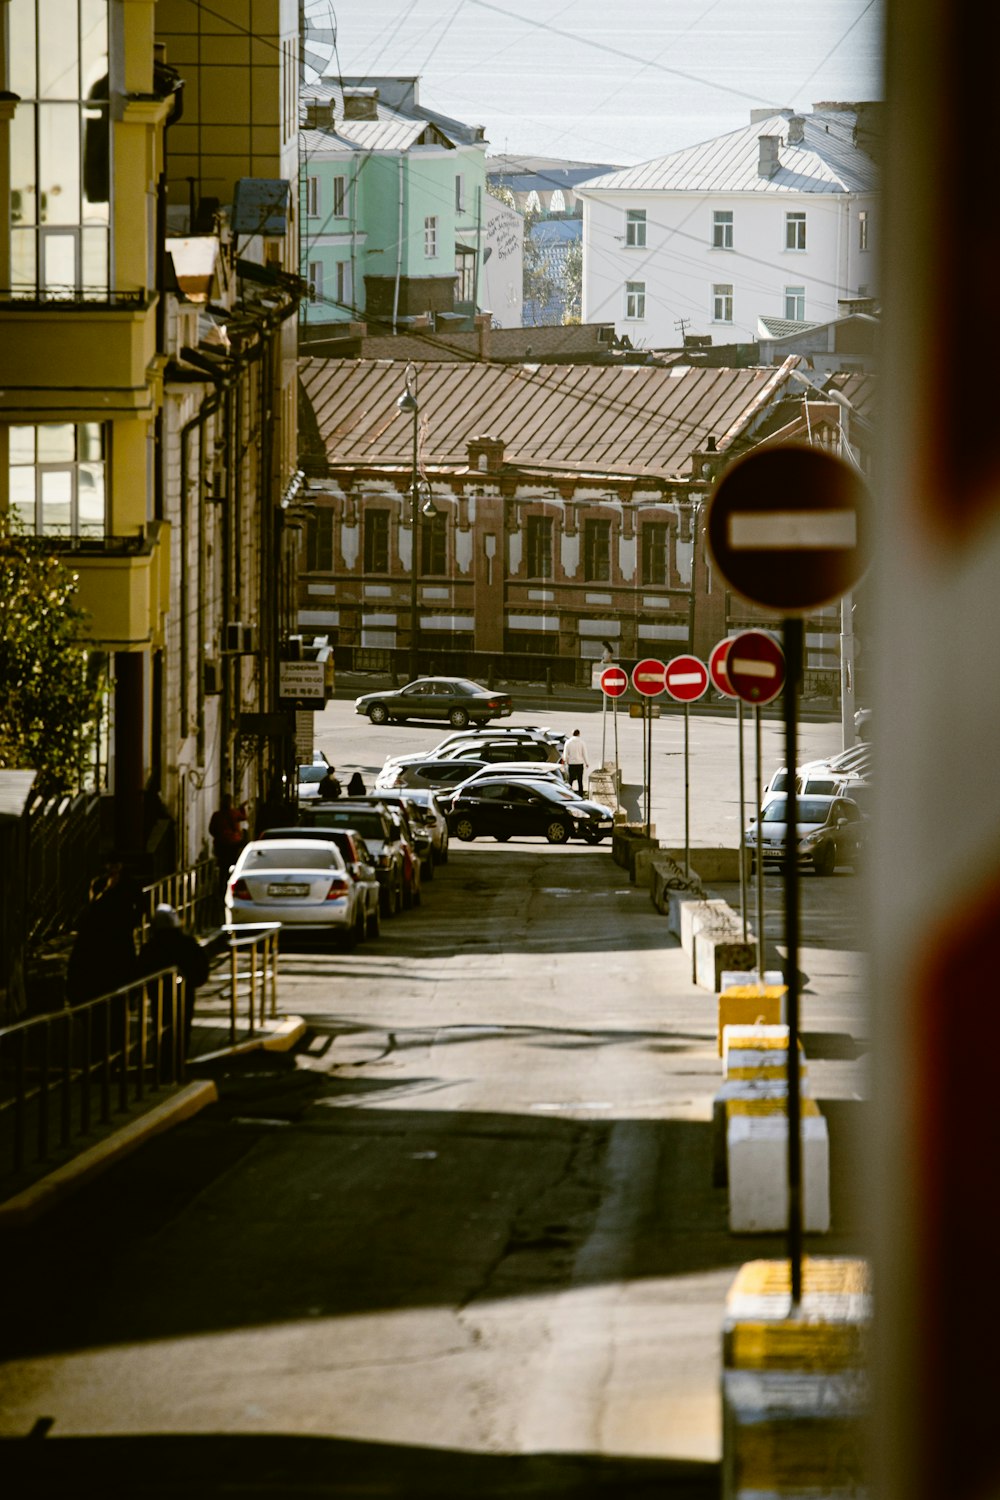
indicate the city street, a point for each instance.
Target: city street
{"x":464,"y":1240}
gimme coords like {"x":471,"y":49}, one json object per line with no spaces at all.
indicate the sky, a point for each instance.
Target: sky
{"x":595,"y":82}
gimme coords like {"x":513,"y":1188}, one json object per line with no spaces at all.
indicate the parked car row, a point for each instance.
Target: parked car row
{"x":832,"y":813}
{"x":343,"y":867}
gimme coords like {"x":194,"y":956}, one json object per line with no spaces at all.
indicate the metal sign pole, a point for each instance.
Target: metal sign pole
{"x":760,"y":862}
{"x":604,"y":723}
{"x":614,"y":719}
{"x":743,"y":849}
{"x":687,"y":789}
{"x":645,"y":759}
{"x":792,"y":633}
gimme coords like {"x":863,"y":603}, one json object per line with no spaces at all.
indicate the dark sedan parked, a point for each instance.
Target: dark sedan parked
{"x":526,"y":809}
{"x":456,"y":699}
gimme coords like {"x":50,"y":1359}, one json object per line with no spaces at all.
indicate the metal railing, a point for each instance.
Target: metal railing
{"x":257,"y":944}
{"x":59,"y":1070}
{"x":193,"y":893}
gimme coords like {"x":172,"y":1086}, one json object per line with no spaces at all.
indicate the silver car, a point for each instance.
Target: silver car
{"x":302,"y":883}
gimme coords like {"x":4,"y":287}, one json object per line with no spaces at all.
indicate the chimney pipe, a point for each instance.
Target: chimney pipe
{"x":768,"y":162}
{"x":796,"y":130}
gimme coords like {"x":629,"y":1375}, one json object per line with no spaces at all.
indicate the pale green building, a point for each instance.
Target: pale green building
{"x":393,"y":212}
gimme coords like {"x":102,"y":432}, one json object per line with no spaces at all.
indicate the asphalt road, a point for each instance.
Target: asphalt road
{"x":462,"y":1242}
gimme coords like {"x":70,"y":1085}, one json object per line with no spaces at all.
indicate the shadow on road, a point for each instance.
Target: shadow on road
{"x":237,"y":1468}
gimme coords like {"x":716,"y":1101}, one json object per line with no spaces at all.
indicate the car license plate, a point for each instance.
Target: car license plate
{"x":283,"y":889}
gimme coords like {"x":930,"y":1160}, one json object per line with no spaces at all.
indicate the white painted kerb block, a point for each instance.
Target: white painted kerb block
{"x":757,"y":1154}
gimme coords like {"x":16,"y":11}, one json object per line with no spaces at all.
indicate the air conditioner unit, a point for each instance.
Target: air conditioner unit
{"x":212,"y":680}
{"x":240,"y":639}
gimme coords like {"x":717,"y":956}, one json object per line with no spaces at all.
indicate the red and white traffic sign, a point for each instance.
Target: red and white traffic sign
{"x":614,"y":681}
{"x":687,"y":679}
{"x":755,"y":666}
{"x":717,"y":667}
{"x":789,"y":527}
{"x":649,"y":677}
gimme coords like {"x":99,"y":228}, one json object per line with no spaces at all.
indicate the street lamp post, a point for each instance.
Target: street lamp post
{"x":409,"y":406}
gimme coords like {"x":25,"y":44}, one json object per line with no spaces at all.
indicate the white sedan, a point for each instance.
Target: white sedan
{"x":302,"y":883}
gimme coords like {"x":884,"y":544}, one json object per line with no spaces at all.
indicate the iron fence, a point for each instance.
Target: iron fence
{"x":64,"y":850}
{"x":193,"y":893}
{"x":61,"y":1072}
{"x":253,"y":971}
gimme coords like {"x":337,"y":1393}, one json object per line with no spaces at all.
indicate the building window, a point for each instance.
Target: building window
{"x":465,"y":274}
{"x":597,"y":551}
{"x":319,"y":541}
{"x":795,"y":231}
{"x":654,"y":553}
{"x":376,"y":529}
{"x":57,"y":479}
{"x":459,"y":193}
{"x":60,"y":160}
{"x":312,"y":197}
{"x":315,"y":281}
{"x":722,"y":230}
{"x":722,"y":303}
{"x":539,"y":546}
{"x":431,"y":238}
{"x":635,"y":299}
{"x":434,"y":544}
{"x":795,"y":303}
{"x":345,"y":284}
{"x":863,"y":229}
{"x":635,"y":228}
{"x":339,"y":197}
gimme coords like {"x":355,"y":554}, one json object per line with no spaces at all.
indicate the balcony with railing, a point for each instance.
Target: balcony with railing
{"x":59,"y":344}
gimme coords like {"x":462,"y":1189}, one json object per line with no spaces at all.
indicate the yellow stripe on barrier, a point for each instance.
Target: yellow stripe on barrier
{"x":762,"y":1107}
{"x":822,"y":1275}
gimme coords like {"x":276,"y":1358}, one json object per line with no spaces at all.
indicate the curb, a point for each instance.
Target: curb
{"x":19,"y":1212}
{"x":280,"y":1038}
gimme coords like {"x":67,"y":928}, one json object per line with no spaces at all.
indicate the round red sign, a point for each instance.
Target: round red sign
{"x":756,"y":667}
{"x":614,"y":681}
{"x":649,"y":677}
{"x":687,"y":678}
{"x":717,"y":667}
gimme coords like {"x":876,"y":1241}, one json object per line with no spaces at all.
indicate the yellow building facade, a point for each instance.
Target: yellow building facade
{"x":111,"y":144}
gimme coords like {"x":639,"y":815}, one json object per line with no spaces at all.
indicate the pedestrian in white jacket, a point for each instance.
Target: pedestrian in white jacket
{"x":575,"y":758}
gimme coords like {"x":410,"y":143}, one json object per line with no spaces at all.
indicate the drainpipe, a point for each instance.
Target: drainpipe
{"x":399,"y":248}
{"x":479,"y":251}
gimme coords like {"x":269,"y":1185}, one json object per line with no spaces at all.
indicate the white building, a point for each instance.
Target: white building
{"x":502,"y":291}
{"x":777,"y":220}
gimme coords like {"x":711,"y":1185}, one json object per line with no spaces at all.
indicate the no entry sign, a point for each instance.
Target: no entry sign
{"x":614,"y":681}
{"x":717,"y":667}
{"x":687,"y":679}
{"x":649,"y":677}
{"x":789,"y":528}
{"x":755,"y":667}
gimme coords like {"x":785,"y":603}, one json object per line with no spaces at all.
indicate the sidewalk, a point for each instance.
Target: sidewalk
{"x":40,"y":1184}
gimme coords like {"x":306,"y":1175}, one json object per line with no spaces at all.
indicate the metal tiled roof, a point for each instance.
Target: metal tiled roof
{"x":779,"y":328}
{"x":363,"y":135}
{"x":827,"y":161}
{"x":581,"y":419}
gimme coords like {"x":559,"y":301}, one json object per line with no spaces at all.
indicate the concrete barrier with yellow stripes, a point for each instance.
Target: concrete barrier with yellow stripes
{"x":794,"y":1383}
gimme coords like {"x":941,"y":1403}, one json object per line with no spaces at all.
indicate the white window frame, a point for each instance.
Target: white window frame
{"x":431,"y":237}
{"x":316,"y":280}
{"x":345,"y":284}
{"x":340,"y":197}
{"x":635,"y":228}
{"x":722,"y":229}
{"x":722,"y":302}
{"x":635,"y":301}
{"x":863,"y":227}
{"x":795,"y":298}
{"x":72,"y":471}
{"x":795,"y":231}
{"x":460,"y":192}
{"x":313,"y":197}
